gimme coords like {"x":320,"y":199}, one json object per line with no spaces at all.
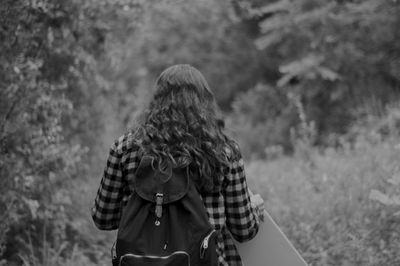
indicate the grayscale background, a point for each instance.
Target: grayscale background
{"x":309,"y":88}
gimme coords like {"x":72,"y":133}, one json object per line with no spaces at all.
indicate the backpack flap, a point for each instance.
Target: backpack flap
{"x":160,"y":188}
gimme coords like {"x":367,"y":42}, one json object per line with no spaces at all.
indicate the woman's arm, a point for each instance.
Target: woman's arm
{"x":242,"y":217}
{"x":106,"y":211}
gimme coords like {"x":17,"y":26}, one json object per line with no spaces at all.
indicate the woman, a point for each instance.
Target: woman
{"x":182,"y":126}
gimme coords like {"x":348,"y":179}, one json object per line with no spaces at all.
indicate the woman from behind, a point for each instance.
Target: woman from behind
{"x":182,"y":127}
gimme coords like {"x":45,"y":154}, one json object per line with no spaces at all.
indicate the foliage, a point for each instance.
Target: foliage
{"x":47,"y":51}
{"x":262,"y":118}
{"x":327,"y":201}
{"x":313,"y":79}
{"x":206,"y":34}
{"x":340,"y":58}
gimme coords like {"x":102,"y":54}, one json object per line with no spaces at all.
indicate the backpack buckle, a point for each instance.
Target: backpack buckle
{"x":158,"y":210}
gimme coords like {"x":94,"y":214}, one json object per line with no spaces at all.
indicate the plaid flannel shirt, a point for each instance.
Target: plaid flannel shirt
{"x":230,"y":210}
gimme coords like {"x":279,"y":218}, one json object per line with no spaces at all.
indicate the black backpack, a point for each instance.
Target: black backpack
{"x":164,"y":222}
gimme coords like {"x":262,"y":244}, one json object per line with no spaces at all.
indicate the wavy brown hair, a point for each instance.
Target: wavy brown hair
{"x":182,"y":127}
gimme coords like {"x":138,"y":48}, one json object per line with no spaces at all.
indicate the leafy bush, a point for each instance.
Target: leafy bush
{"x":339,"y":58}
{"x":73,"y":74}
{"x":48,"y":49}
{"x":328,"y":201}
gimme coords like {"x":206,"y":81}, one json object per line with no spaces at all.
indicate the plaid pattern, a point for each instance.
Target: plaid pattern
{"x":229,"y":211}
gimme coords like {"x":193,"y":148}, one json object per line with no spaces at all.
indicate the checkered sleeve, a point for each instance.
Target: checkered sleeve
{"x":106,"y":211}
{"x":242,"y":218}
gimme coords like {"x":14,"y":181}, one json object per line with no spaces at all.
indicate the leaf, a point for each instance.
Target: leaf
{"x":395,"y":180}
{"x":328,"y":74}
{"x":285,"y":80}
{"x":16,"y":70}
{"x":298,"y":66}
{"x":276,"y":23}
{"x":379,"y":196}
{"x":308,"y":67}
{"x":268,"y":39}
{"x":33,"y":206}
{"x":396,"y":200}
{"x":317,"y":14}
{"x":383,"y":198}
{"x":279,"y":6}
{"x":305,"y":68}
{"x":50,"y":37}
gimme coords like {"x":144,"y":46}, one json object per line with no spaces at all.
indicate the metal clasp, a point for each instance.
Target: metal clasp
{"x":158,"y":210}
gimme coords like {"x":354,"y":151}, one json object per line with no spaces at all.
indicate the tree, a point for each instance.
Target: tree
{"x":339,"y":58}
{"x":49,"y":53}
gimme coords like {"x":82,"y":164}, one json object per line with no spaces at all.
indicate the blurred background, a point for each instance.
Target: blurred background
{"x":309,"y":88}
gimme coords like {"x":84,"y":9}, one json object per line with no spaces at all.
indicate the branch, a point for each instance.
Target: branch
{"x":7,"y":117}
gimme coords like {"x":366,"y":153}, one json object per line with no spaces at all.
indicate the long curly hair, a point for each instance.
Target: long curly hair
{"x":182,"y":127}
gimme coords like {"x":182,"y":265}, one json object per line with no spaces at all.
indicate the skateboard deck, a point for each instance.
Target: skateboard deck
{"x":270,"y":247}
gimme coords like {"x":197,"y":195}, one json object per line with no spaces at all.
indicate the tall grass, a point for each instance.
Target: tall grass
{"x":338,"y":205}
{"x":322,"y":197}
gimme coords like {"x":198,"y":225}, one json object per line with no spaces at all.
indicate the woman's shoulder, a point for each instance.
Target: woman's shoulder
{"x":126,"y":143}
{"x":232,"y":150}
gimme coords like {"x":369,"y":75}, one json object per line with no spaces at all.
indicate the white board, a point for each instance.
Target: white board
{"x":270,"y":247}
